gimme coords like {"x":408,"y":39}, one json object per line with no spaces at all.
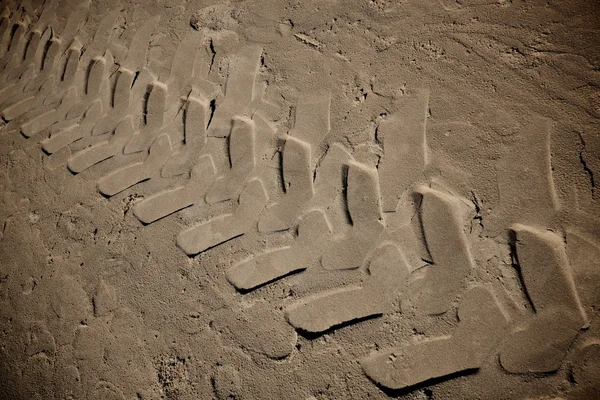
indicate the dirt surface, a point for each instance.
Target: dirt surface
{"x":299,"y":200}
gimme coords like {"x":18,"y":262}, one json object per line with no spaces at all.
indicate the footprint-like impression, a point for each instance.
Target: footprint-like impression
{"x":311,"y":124}
{"x":44,"y":77}
{"x":132,"y":174}
{"x":71,"y":92}
{"x":97,"y":115}
{"x":14,"y":79}
{"x":298,"y":185}
{"x":170,"y":201}
{"x":388,"y":272}
{"x":481,"y":325}
{"x":49,"y":118}
{"x":163,"y":101}
{"x":364,"y":209}
{"x":239,"y":90}
{"x":405,"y":148}
{"x":544,"y":342}
{"x":223,"y":228}
{"x":312,"y":119}
{"x":73,"y":105}
{"x":39,"y":69}
{"x":155,"y":119}
{"x":195,"y":123}
{"x":525,"y":184}
{"x":241,"y":160}
{"x":330,"y":176}
{"x":132,"y":79}
{"x":447,"y":244}
{"x":49,"y":50}
{"x":18,"y":42}
{"x":313,"y":233}
{"x":104,"y":150}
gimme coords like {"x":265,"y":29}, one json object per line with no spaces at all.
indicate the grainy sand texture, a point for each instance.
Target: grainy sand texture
{"x":284,"y":199}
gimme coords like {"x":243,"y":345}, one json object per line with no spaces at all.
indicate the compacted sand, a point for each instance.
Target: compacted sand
{"x":299,"y":199}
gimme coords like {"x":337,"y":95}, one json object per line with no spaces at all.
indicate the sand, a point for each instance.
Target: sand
{"x":299,"y":200}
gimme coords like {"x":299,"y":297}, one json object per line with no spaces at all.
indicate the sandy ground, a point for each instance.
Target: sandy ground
{"x":300,"y":200}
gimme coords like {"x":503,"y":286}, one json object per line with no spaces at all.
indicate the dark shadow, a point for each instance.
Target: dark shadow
{"x":212,"y":106}
{"x":396,"y":393}
{"x":512,"y":240}
{"x":345,"y":168}
{"x":216,"y":245}
{"x":165,"y":216}
{"x":315,"y":335}
{"x":246,"y":291}
{"x":418,"y":200}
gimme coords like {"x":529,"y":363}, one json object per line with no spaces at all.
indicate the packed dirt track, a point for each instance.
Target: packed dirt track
{"x":322,"y":199}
